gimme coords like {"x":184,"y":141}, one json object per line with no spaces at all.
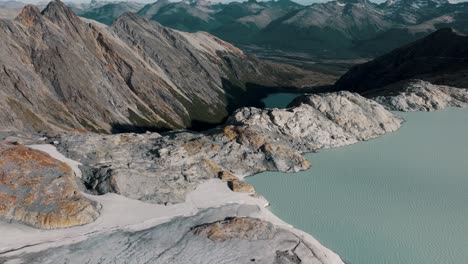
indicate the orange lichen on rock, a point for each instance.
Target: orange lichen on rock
{"x":241,"y":186}
{"x":245,"y":136}
{"x":245,"y":228}
{"x":40,"y":191}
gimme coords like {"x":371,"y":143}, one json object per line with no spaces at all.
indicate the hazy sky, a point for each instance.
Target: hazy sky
{"x":305,"y":2}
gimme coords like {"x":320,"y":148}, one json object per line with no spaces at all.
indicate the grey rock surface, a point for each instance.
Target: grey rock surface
{"x":163,"y":168}
{"x":321,"y":121}
{"x":183,"y":240}
{"x":418,"y":95}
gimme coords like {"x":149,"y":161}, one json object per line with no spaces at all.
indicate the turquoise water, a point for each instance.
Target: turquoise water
{"x":279,"y":100}
{"x":401,"y":198}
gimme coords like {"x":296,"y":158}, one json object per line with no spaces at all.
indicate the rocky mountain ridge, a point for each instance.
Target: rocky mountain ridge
{"x":135,"y":75}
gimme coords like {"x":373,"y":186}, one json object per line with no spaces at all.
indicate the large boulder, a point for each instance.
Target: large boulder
{"x":40,"y":191}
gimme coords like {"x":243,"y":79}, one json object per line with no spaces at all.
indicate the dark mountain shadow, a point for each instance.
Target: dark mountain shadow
{"x":119,"y":128}
{"x":237,"y":96}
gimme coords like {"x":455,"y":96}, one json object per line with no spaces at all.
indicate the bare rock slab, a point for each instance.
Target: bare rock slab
{"x":39,"y":191}
{"x":216,"y":235}
{"x":321,"y":121}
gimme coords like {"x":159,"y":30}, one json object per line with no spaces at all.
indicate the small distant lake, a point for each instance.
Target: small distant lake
{"x":401,"y":198}
{"x":279,"y":100}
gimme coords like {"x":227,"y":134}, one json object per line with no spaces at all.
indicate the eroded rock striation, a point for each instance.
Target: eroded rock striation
{"x":229,"y":234}
{"x":418,"y":95}
{"x":237,"y":227}
{"x":39,"y":191}
{"x":163,"y":168}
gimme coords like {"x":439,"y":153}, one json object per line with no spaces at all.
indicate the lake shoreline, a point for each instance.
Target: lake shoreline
{"x":265,"y":184}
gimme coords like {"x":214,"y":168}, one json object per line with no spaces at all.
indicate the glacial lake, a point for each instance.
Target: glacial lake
{"x":401,"y":198}
{"x":279,"y":100}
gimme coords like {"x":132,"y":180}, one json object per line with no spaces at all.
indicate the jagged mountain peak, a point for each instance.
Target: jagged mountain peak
{"x":130,"y":17}
{"x":398,"y":5}
{"x":416,"y":3}
{"x":30,"y":15}
{"x":284,"y":3}
{"x":199,"y":2}
{"x":353,"y":1}
{"x":58,"y":12}
{"x":414,"y":11}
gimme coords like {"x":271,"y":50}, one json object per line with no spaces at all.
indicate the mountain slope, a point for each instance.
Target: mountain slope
{"x":415,"y":11}
{"x":109,"y":12}
{"x":133,"y":75}
{"x":440,"y":58}
{"x":241,"y":22}
{"x":326,"y":29}
{"x":234,"y":21}
{"x":187,"y":16}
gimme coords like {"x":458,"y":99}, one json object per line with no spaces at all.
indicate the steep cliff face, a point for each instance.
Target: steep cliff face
{"x":59,"y":72}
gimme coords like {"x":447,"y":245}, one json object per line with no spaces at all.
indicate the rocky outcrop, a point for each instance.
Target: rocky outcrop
{"x":234,"y":183}
{"x":238,"y":227}
{"x":163,"y":168}
{"x":321,"y":121}
{"x":418,"y":95}
{"x":133,"y":76}
{"x":228,"y":234}
{"x":39,"y":191}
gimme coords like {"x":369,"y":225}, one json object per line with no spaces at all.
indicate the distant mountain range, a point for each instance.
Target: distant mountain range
{"x":342,"y":29}
{"x":61,"y":72}
{"x":106,"y":13}
{"x":336,"y":29}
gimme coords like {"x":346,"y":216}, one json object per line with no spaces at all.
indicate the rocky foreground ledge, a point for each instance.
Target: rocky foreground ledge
{"x":215,"y":235}
{"x":187,"y":215}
